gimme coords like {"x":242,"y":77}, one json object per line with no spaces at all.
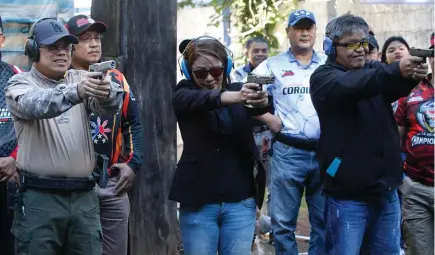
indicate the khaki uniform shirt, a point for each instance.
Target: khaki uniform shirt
{"x":52,"y":122}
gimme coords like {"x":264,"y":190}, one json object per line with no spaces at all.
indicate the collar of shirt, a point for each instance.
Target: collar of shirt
{"x":43,"y":79}
{"x":314,"y":59}
{"x":248,"y":68}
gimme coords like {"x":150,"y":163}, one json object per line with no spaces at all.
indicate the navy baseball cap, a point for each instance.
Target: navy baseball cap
{"x":81,"y":23}
{"x":298,"y":15}
{"x":49,"y":31}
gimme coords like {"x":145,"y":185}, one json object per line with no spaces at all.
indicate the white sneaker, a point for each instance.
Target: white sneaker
{"x":402,"y":252}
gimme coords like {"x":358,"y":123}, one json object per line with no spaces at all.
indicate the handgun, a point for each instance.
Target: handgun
{"x":260,"y":80}
{"x":423,"y":53}
{"x":102,"y":67}
{"x":100,"y":173}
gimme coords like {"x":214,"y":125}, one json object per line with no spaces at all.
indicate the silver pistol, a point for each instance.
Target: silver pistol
{"x":103,"y":66}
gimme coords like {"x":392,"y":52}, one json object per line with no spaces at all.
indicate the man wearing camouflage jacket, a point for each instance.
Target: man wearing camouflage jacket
{"x":58,"y":212}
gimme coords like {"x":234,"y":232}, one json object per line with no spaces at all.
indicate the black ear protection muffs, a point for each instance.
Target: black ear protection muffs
{"x":31,"y":47}
{"x":185,"y":69}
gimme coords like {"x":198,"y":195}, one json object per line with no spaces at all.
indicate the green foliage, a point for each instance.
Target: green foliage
{"x":250,"y":17}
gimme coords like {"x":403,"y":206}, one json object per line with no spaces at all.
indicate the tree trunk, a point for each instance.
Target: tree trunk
{"x":142,"y":36}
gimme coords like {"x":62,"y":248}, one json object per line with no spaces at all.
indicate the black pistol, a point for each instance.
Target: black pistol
{"x":100,"y":173}
{"x":423,"y":53}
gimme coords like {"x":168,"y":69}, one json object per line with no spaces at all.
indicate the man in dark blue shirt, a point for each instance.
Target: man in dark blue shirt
{"x":359,"y":150}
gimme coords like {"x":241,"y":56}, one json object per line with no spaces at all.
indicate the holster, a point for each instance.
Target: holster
{"x":100,"y":173}
{"x":13,"y":195}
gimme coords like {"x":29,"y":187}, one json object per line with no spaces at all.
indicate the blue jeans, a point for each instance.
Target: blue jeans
{"x":226,"y":227}
{"x":293,"y":171}
{"x":354,"y":226}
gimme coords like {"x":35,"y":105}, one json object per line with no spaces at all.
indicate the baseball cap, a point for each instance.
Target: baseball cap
{"x":373,"y":42}
{"x":298,"y":15}
{"x":49,"y":31}
{"x":432,"y":41}
{"x":182,"y":46}
{"x":82,"y":23}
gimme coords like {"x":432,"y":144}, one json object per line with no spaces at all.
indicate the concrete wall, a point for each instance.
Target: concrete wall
{"x":415,"y":22}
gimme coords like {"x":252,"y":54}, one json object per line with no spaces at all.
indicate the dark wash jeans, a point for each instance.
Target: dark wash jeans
{"x":368,"y":227}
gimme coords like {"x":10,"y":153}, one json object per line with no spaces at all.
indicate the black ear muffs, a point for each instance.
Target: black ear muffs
{"x":31,"y":47}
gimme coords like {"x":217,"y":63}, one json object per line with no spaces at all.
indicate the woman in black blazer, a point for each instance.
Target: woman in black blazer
{"x":220,"y":179}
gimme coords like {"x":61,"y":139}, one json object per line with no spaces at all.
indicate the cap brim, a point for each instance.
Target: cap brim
{"x":52,"y":39}
{"x":299,"y":19}
{"x":98,"y":27}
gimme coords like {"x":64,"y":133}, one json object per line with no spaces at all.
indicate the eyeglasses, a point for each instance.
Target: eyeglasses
{"x":57,"y":47}
{"x":89,"y":38}
{"x":203,"y":73}
{"x":354,"y":45}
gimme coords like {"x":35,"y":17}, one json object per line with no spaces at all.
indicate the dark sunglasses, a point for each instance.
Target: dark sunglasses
{"x":355,"y":45}
{"x":203,"y":73}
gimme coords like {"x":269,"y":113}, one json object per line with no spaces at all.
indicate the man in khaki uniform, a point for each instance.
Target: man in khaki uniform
{"x":58,"y":212}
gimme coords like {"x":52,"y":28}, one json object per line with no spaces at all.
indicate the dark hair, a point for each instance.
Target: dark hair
{"x":373,"y":43}
{"x":255,"y":40}
{"x":207,"y":47}
{"x":388,"y":42}
{"x":345,"y":24}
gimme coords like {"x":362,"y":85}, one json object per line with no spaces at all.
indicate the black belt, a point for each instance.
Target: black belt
{"x":309,"y":145}
{"x":59,"y":183}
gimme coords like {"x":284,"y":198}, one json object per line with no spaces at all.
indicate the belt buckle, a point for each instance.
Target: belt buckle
{"x":69,"y":184}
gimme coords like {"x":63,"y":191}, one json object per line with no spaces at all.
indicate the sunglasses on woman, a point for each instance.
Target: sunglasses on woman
{"x":203,"y":73}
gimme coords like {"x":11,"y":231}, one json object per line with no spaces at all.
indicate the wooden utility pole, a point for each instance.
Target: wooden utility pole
{"x":142,"y":38}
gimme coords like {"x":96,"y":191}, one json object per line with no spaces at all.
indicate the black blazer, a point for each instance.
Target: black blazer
{"x":192,"y":181}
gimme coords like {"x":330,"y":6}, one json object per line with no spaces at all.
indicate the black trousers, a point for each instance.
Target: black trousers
{"x":6,"y":238}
